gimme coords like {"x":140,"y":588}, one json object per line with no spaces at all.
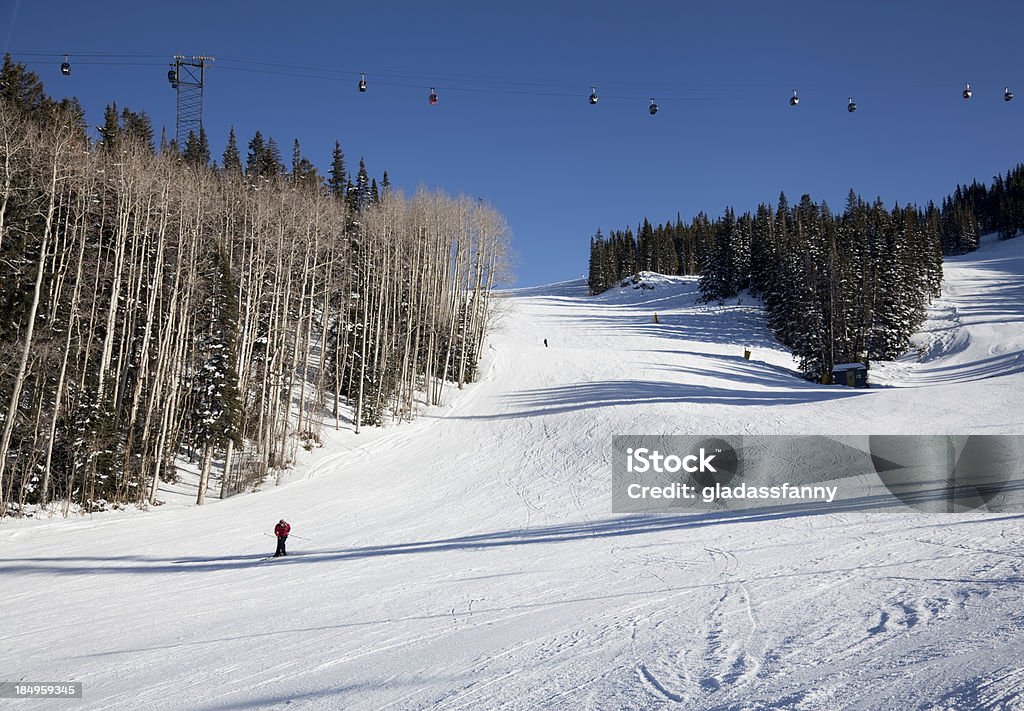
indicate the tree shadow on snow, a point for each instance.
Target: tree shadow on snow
{"x":628,"y":525}
{"x":612,"y":393}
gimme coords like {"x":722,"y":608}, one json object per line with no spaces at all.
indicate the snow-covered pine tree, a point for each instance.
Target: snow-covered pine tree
{"x":718,"y":273}
{"x":215,"y":402}
{"x":598,"y":280}
{"x":362,"y":197}
{"x":740,"y":238}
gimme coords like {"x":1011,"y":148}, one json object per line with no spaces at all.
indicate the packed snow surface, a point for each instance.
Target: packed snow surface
{"x":470,"y":560}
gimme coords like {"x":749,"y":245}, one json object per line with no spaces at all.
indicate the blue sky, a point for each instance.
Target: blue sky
{"x":513,"y":125}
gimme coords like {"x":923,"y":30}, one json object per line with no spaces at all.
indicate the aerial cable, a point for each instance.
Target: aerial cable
{"x":456,"y":83}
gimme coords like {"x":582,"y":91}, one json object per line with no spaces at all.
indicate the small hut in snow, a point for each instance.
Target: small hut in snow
{"x":854,"y":375}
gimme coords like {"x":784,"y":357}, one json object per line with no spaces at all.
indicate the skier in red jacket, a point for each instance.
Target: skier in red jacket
{"x":281,"y":530}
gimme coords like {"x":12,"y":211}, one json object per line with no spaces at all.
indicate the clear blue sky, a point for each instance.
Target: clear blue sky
{"x":513,"y":125}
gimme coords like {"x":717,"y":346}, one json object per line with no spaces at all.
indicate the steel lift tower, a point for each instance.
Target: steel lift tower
{"x":187,"y":76}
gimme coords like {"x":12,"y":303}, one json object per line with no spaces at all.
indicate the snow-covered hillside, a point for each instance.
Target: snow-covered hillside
{"x":470,"y":560}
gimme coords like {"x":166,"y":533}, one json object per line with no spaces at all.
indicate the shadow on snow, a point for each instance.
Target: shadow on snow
{"x":632,"y":525}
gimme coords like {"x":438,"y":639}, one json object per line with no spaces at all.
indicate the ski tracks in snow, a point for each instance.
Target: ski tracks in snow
{"x":717,"y":656}
{"x":706,"y":647}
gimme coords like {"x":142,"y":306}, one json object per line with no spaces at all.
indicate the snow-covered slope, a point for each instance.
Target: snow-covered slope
{"x":976,"y":329}
{"x":470,"y":560}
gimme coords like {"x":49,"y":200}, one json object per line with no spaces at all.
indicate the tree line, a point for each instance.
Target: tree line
{"x":852,"y":287}
{"x":156,"y":307}
{"x":999,"y":207}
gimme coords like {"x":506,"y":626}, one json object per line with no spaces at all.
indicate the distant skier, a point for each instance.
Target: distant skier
{"x":281,"y":530}
{"x":545,"y":343}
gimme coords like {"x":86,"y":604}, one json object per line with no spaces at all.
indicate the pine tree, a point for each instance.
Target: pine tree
{"x":362,"y":188}
{"x":216,"y":403}
{"x":685,"y":244}
{"x":204,"y":148}
{"x":740,"y":241}
{"x":264,"y":159}
{"x":70,"y":112}
{"x":137,"y":128}
{"x":272,"y":162}
{"x":350,"y":194}
{"x":763,"y":254}
{"x":255,"y":163}
{"x":625,"y":255}
{"x":666,"y":261}
{"x":719,"y":276}
{"x":598,"y":279}
{"x":110,"y":131}
{"x":23,"y":90}
{"x":336,"y":180}
{"x":304,"y":174}
{"x":645,"y":247}
{"x":197,"y":149}
{"x":231,"y":160}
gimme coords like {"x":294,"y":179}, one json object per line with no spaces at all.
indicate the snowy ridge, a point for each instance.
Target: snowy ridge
{"x":470,"y":561}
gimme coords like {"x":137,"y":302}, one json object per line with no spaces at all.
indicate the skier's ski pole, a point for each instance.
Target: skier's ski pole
{"x":290,"y":535}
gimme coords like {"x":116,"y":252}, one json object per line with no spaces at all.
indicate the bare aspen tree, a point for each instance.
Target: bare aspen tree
{"x":55,"y":148}
{"x":14,"y":138}
{"x":175,"y":311}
